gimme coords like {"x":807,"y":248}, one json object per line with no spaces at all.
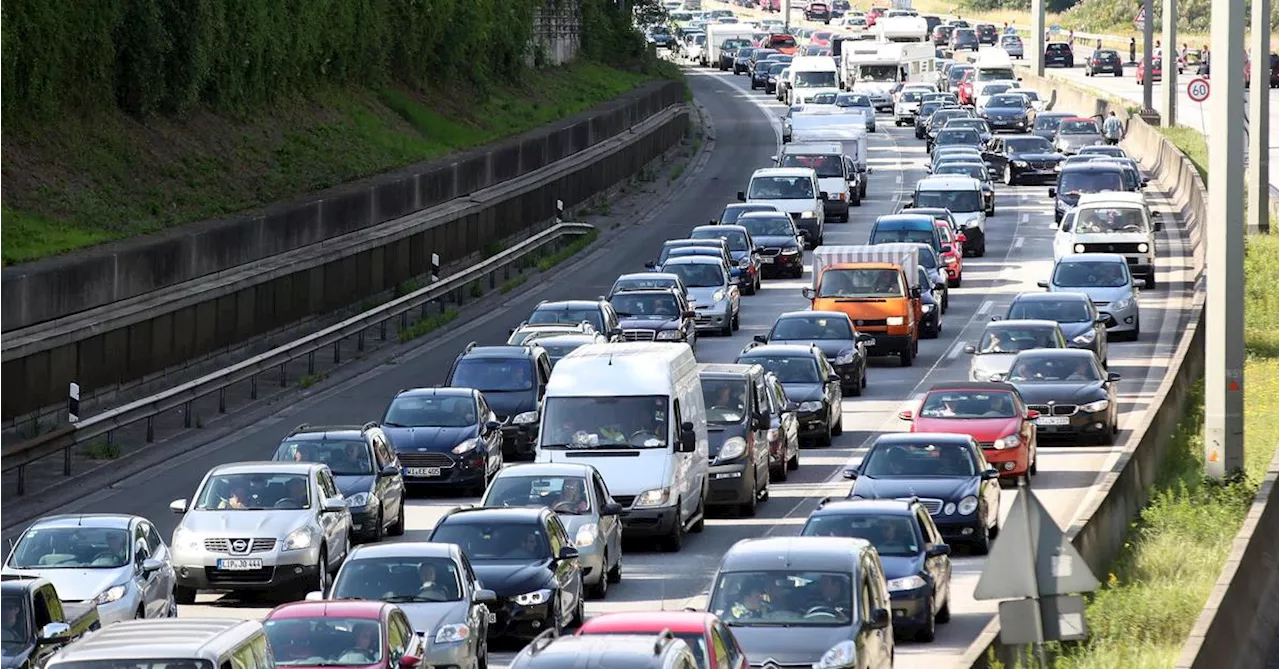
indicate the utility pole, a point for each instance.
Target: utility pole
{"x":1259,"y":119}
{"x":786,"y":8}
{"x":1224,"y":251}
{"x":1037,"y":35}
{"x":1148,"y":45}
{"x":1169,"y":92}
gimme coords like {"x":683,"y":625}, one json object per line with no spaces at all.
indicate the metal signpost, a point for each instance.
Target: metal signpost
{"x":1035,"y":567}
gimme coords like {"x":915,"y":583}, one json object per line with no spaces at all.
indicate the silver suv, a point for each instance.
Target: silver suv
{"x":261,"y":526}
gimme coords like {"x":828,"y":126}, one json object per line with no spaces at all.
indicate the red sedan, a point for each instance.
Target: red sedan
{"x":992,"y":413}
{"x":704,"y":633}
{"x":343,"y":633}
{"x":953,"y":259}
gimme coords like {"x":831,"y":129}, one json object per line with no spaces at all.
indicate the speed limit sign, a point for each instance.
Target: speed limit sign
{"x":1198,"y":89}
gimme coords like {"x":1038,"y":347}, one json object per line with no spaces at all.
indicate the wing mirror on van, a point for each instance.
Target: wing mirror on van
{"x":742,"y":197}
{"x":1042,"y":283}
{"x":56,"y":632}
{"x":808,"y":293}
{"x":1139,"y":283}
{"x":611,"y":509}
{"x":763,"y":339}
{"x":688,"y":440}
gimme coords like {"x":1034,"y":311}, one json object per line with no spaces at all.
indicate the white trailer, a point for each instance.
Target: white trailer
{"x":847,"y":129}
{"x":875,"y":69}
{"x":903,"y":255}
{"x":902,"y":29}
{"x":717,"y":33}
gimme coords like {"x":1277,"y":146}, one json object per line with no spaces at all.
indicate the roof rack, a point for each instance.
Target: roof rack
{"x":665,"y":637}
{"x":369,"y":425}
{"x":823,"y":502}
{"x":541,"y":641}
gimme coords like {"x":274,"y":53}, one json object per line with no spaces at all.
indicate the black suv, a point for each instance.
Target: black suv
{"x":1082,"y":178}
{"x":365,"y":468}
{"x":513,"y":380}
{"x":809,"y":382}
{"x":657,"y":314}
{"x":444,"y":437}
{"x":571,"y":312}
{"x":987,"y":33}
{"x":1060,"y":54}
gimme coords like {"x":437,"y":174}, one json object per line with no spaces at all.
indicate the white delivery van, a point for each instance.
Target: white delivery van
{"x":962,"y":196}
{"x":793,"y":190}
{"x":634,"y":411}
{"x":717,"y":34}
{"x":993,"y":64}
{"x":1111,"y":222}
{"x":838,"y":175}
{"x":846,"y":129}
{"x":811,"y":76}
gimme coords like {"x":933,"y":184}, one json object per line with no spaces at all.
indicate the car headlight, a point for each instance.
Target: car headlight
{"x":967,"y":505}
{"x":298,"y":539}
{"x":466,"y":446}
{"x":719,"y":295}
{"x":843,"y":654}
{"x":452,"y":633}
{"x":789,"y":251}
{"x":895,"y":320}
{"x":1019,"y":163}
{"x":951,"y":260}
{"x":1007,"y":441}
{"x":652,"y":498}
{"x":586,"y":535}
{"x":812,"y":405}
{"x":186,"y":540}
{"x":1122,"y":303}
{"x":669,"y":335}
{"x":949,"y":509}
{"x":845,"y":357}
{"x":525,"y":418}
{"x":744,"y":263}
{"x":533,"y":598}
{"x":1060,"y":205}
{"x":926,"y":308}
{"x":905,"y":583}
{"x":1143,"y":248}
{"x":112,"y":594}
{"x":1078,"y":248}
{"x":1085,"y":337}
{"x":733,"y":448}
{"x":1099,"y":405}
{"x":359,"y":500}
{"x":807,"y":214}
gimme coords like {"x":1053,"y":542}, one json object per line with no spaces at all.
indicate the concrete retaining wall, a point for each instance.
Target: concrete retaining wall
{"x":126,"y":340}
{"x":1100,"y":534}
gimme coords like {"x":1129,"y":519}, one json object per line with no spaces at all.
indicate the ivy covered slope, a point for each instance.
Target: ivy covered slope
{"x":124,"y":117}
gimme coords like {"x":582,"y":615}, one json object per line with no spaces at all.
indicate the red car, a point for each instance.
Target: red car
{"x":704,"y":633}
{"x":346,"y":633}
{"x":964,"y":89}
{"x":992,"y":413}
{"x":952,"y":260}
{"x":1157,"y":69}
{"x":820,"y":38}
{"x":873,"y":14}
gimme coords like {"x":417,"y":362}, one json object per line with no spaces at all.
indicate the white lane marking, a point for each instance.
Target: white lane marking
{"x":956,"y":350}
{"x":1026,"y":218}
{"x":984,"y":308}
{"x":1017,"y":243}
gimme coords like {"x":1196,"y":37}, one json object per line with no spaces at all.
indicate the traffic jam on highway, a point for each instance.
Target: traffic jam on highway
{"x":599,"y":427}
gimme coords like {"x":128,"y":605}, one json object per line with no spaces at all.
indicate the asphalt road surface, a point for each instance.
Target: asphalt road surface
{"x":746,"y":131}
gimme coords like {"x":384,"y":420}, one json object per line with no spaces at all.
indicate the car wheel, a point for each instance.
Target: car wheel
{"x":1151,"y":280}
{"x":982,"y":250}
{"x":397,"y":528}
{"x":944,"y":613}
{"x":906,"y":356}
{"x":737,"y":320}
{"x":929,"y":631}
{"x":1009,"y":179}
{"x":794,"y":463}
{"x":580,"y":610}
{"x":377,"y":529}
{"x":838,"y":428}
{"x":824,"y":441}
{"x":727,"y":330}
{"x":184,"y":595}
{"x":749,"y":509}
{"x":853,"y":390}
{"x":982,"y":545}
{"x":482,"y":654}
{"x":322,"y":579}
{"x":674,"y":539}
{"x":614,"y":575}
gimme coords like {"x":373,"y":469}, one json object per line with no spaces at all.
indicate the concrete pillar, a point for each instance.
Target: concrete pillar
{"x":1169,"y":90}
{"x":1037,"y":36}
{"x":1259,"y":119}
{"x":1148,"y":45}
{"x":1224,"y":250}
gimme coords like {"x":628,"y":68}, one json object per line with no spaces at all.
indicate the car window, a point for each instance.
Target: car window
{"x":398,"y":634}
{"x":556,"y":533}
{"x":602,"y":491}
{"x":154,"y":542}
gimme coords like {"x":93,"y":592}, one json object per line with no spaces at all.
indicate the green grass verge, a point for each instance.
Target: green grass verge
{"x":547,"y":262}
{"x":85,"y":181}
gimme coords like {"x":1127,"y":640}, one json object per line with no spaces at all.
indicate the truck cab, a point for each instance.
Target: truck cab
{"x":878,"y":288}
{"x":42,"y":623}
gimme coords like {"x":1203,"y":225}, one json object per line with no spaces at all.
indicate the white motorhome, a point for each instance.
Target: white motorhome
{"x":1112,"y":222}
{"x":905,"y":28}
{"x":846,"y":129}
{"x":717,"y":33}
{"x":838,"y":175}
{"x":875,"y":69}
{"x":993,"y":64}
{"x":634,"y":411}
{"x":811,"y":76}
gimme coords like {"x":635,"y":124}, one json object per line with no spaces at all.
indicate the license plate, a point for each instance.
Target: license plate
{"x":1053,"y":420}
{"x":239,"y":564}
{"x":422,"y":471}
{"x":767,"y":261}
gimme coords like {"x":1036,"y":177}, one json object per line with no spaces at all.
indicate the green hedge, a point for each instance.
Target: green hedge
{"x":147,"y":56}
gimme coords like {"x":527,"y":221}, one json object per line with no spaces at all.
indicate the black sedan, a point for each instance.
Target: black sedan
{"x":938,"y":121}
{"x":1021,"y":159}
{"x":931,"y":305}
{"x":760,"y":73}
{"x":1047,"y":123}
{"x":946,"y":472}
{"x":658,"y":314}
{"x":924,"y":114}
{"x":1075,"y":396}
{"x":832,"y":332}
{"x":811,"y":384}
{"x":1009,"y":111}
{"x":1104,"y":61}
{"x":771,"y":77}
{"x":780,"y":245}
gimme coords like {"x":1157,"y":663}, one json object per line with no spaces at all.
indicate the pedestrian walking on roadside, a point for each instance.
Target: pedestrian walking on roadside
{"x":1113,"y":129}
{"x":1133,"y":51}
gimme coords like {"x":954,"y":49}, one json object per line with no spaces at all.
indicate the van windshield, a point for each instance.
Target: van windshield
{"x":811,"y":79}
{"x":1110,"y":219}
{"x":149,"y":663}
{"x":584,"y":423}
{"x":882,"y":73}
{"x":824,"y":165}
{"x":780,"y":188}
{"x":1090,"y":181}
{"x":957,"y":201}
{"x":726,"y":400}
{"x":872,"y":283}
{"x":783,"y":599}
{"x":995,"y":74}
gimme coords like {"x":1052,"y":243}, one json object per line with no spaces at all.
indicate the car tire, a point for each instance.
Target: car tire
{"x":614,"y":575}
{"x":794,"y":463}
{"x":1009,"y":179}
{"x":727,"y":330}
{"x":1107,"y":437}
{"x":580,"y":610}
{"x":322,"y":569}
{"x":184,"y":595}
{"x":750,"y":290}
{"x":944,"y":613}
{"x":906,"y":357}
{"x":982,"y":250}
{"x":982,"y":545}
{"x":172,"y":610}
{"x":701,"y":523}
{"x":674,"y":539}
{"x":1151,"y":280}
{"x":852,"y":390}
{"x":736,"y":321}
{"x":378,"y":528}
{"x":397,"y":528}
{"x":929,"y":631}
{"x":748,"y":510}
{"x":824,"y":441}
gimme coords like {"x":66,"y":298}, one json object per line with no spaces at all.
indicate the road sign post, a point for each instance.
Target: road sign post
{"x":1198,"y":91}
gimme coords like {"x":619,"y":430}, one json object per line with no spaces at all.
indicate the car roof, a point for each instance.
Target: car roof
{"x":403,"y":549}
{"x":103,"y":520}
{"x":569,"y":338}
{"x":1092,"y":257}
{"x":695,"y":260}
{"x":500,"y":351}
{"x":1092,"y":166}
{"x":903,"y":219}
{"x":751,"y":206}
{"x":851,"y":507}
{"x":624,"y":651}
{"x":640,"y":276}
{"x":346,"y":608}
{"x":648,"y":621}
{"x":444,"y":391}
{"x":268,"y":466}
{"x":1041,"y":296}
{"x":495,"y":514}
{"x":155,"y":639}
{"x":927,"y":211}
{"x":990,"y":386}
{"x":782,"y":172}
{"x":1022,"y":323}
{"x":807,"y":313}
{"x":799,"y":553}
{"x":720,"y":226}
{"x":567,"y":304}
{"x":727,"y":370}
{"x":895,"y":438}
{"x":778,"y":350}
{"x":764,"y":214}
{"x":1058,"y":352}
{"x":547,"y":469}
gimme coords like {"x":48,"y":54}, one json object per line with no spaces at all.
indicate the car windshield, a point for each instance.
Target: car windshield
{"x":399,"y":579}
{"x":731,"y":214}
{"x":735,"y":238}
{"x":567,"y":316}
{"x":911,"y":96}
{"x":928,"y":108}
{"x":1091,"y":274}
{"x":1090,"y":181}
{"x":702,"y":249}
{"x":947,"y":459}
{"x":971,"y":170}
{"x":1110,"y":219}
{"x":994,"y":89}
{"x":783,"y":599}
{"x":768,"y":226}
{"x":955,"y":201}
{"x":871,"y":283}
{"x":1078,"y":127}
{"x":781,"y":188}
{"x":1045,"y":369}
{"x":71,"y":548}
{"x":1007,"y":101}
{"x":957,"y":73}
{"x":1014,"y":339}
{"x":1113,"y":151}
{"x":605,"y":422}
{"x":697,"y":275}
{"x":725,"y":400}
{"x":824,"y":165}
{"x":1062,"y":311}
{"x":431,"y":411}
{"x":646,"y":305}
{"x":963,"y":136}
{"x":345,"y":457}
{"x":562,"y":494}
{"x":1028,"y":145}
{"x":926,"y":258}
{"x":969,"y":123}
{"x":941,"y":118}
{"x":968,"y":404}
{"x":812,"y":329}
{"x":149,"y":663}
{"x":492,"y":375}
{"x":1048,"y":122}
{"x":811,"y":79}
{"x":788,"y":369}
{"x":490,"y":542}
{"x":852,"y":100}
{"x":894,"y":535}
{"x":255,"y":492}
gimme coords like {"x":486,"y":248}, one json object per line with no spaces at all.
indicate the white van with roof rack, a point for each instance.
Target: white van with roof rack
{"x":1112,"y":222}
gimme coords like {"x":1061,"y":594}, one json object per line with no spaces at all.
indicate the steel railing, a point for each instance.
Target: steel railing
{"x":64,"y":439}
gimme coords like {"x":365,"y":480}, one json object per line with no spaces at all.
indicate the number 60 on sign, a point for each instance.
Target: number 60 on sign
{"x":1198,"y":89}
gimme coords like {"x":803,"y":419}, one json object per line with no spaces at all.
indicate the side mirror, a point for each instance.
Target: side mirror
{"x":409,"y":662}
{"x":850,"y":474}
{"x":649,"y":265}
{"x":832,"y":378}
{"x":879,"y":619}
{"x":151,"y":566}
{"x":915,"y":292}
{"x":792,"y":407}
{"x":389,"y":471}
{"x":906,"y":415}
{"x":946,"y":248}
{"x":713,"y":222}
{"x":742,"y":197}
{"x":823,"y":196}
{"x":773,"y":158}
{"x":1146,"y":181}
{"x":1053,"y":192}
{"x":1100,"y":319}
{"x":611,"y":509}
{"x":178,"y":506}
{"x":315,"y":596}
{"x":333,"y":505}
{"x":484,"y":596}
{"x":1139,"y":283}
{"x":1032,"y":414}
{"x":1157,"y":225}
{"x":1042,"y":283}
{"x":938,"y":550}
{"x":864,"y":338}
{"x":492,"y":425}
{"x":808,"y":293}
{"x":690,"y":313}
{"x":990,"y":475}
{"x":567,"y":553}
{"x":1112,"y":377}
{"x":970,"y":349}
{"x":760,"y":422}
{"x":688,"y":440}
{"x":55,"y":633}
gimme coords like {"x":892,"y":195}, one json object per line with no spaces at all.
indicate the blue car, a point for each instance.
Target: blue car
{"x":444,"y":437}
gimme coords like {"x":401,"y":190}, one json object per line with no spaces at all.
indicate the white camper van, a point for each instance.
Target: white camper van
{"x":634,"y":411}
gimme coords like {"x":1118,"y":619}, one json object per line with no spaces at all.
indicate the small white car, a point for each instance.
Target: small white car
{"x":1111,"y":222}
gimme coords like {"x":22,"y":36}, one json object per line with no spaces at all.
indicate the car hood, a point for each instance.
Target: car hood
{"x":982,"y":429}
{"x":871,"y":88}
{"x":427,"y":617}
{"x":1098,"y":293}
{"x":1072,"y":330}
{"x":648,"y":323}
{"x":901,"y":566}
{"x":509,"y":403}
{"x":267,"y":523}
{"x":511,"y":578}
{"x":705,"y":297}
{"x":717,"y":434}
{"x":791,"y":205}
{"x":968,"y":219}
{"x":934,"y":487}
{"x":802,"y":392}
{"x":832,"y":348}
{"x":1061,"y":392}
{"x":1002,"y":112}
{"x":780,"y":241}
{"x":789,"y":645}
{"x":75,"y":585}
{"x":1077,"y":141}
{"x":993,"y":362}
{"x":1039,"y":157}
{"x":350,"y":484}
{"x":435,"y":439}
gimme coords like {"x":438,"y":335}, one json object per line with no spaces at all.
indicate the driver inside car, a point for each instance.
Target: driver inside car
{"x":572,"y":497}
{"x":831,"y":596}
